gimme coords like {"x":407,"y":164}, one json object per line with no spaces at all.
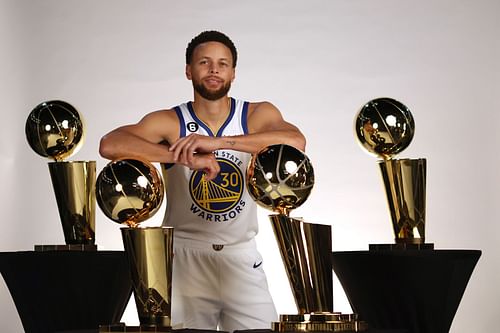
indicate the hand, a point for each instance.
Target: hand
{"x":185,"y":148}
{"x":205,"y":162}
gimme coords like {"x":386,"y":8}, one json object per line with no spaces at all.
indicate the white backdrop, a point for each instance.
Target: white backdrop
{"x":319,"y":62}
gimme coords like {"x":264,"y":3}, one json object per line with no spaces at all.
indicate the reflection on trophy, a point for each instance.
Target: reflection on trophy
{"x":385,"y":127}
{"x":129,"y":191}
{"x":55,"y":129}
{"x":280,"y":178}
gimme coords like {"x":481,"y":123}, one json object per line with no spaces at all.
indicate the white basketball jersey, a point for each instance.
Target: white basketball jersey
{"x":219,"y":211}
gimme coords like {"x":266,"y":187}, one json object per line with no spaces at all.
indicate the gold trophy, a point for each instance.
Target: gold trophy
{"x":55,"y":129}
{"x":129,"y":191}
{"x":280,"y":178}
{"x":385,"y":127}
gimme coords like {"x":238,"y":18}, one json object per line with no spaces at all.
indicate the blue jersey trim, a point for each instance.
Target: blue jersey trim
{"x":198,"y":120}
{"x":229,"y":118}
{"x":182,"y":131}
{"x":168,"y":165}
{"x":244,"y":118}
{"x":182,"y":123}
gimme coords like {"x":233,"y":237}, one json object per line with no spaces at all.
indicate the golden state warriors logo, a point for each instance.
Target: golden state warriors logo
{"x":220,"y":194}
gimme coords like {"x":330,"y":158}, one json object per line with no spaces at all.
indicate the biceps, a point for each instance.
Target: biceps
{"x":153,"y":130}
{"x":267,"y":120}
{"x":138,"y":131}
{"x":274,"y":123}
{"x":281,"y":126}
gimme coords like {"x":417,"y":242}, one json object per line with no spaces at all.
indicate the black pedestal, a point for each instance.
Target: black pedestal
{"x":67,"y":290}
{"x":417,"y":290}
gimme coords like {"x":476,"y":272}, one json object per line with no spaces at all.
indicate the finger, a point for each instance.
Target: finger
{"x":176,"y":143}
{"x":179,"y":143}
{"x":208,"y":174}
{"x":212,"y":170}
{"x":176,"y":154}
{"x":190,"y":149}
{"x":178,"y":147}
{"x":216,"y":169}
{"x":175,"y":149}
{"x":211,"y":173}
{"x":183,"y":157}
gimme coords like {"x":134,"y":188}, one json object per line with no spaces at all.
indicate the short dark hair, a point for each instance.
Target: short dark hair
{"x":210,"y":36}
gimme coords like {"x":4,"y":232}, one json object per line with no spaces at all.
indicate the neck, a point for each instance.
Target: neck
{"x":212,"y":113}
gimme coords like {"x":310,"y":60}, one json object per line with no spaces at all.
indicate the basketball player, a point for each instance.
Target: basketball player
{"x":205,"y":146}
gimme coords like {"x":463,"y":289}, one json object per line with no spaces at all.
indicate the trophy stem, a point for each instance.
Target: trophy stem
{"x":74,"y":188}
{"x":404,"y":181}
{"x":305,"y":249}
{"x":150,"y":254}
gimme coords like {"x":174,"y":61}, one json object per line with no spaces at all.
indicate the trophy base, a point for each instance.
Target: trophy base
{"x":68,"y":247}
{"x":121,"y":327}
{"x":401,"y":247}
{"x":319,"y":322}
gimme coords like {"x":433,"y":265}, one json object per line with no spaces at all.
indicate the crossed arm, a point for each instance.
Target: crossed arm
{"x":145,"y":139}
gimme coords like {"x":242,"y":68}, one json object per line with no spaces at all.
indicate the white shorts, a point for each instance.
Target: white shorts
{"x":223,"y":289}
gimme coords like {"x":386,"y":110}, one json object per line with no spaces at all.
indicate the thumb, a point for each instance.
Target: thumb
{"x":210,"y":173}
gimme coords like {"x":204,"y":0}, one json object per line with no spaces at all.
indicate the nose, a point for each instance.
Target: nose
{"x":214,"y":69}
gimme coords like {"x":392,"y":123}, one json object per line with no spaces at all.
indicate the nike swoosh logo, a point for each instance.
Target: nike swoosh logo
{"x":256,"y":265}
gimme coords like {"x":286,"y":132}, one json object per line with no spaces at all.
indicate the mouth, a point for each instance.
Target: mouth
{"x":213,"y":80}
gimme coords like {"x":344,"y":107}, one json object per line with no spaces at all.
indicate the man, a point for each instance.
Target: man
{"x":205,"y":147}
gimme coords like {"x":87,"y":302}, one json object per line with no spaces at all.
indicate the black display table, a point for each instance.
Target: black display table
{"x":187,"y":330}
{"x":367,"y":331}
{"x":67,"y":290}
{"x":417,"y":290}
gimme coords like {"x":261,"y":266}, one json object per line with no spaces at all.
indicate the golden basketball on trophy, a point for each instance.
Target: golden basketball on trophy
{"x":130,"y":191}
{"x":55,"y":129}
{"x":280,"y":178}
{"x":385,"y":127}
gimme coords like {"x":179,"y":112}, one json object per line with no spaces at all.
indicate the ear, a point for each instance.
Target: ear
{"x":188,"y":72}
{"x":234,"y":75}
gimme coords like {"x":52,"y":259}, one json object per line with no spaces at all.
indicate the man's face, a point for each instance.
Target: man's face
{"x":211,"y":70}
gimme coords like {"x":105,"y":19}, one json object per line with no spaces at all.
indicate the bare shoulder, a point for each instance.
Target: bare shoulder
{"x":160,"y":115}
{"x":261,"y":106}
{"x":262,"y":111}
{"x":263,"y":116}
{"x":156,"y":126}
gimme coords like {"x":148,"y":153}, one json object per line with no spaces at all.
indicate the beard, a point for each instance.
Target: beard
{"x":211,"y":95}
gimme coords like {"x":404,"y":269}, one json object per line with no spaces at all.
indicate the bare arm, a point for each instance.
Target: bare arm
{"x":143,"y":139}
{"x":266,"y":127}
{"x":146,"y":140}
